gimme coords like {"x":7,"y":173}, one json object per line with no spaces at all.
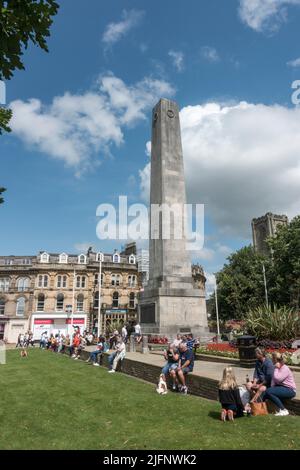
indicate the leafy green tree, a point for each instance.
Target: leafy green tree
{"x":21,"y":22}
{"x":285,"y":274}
{"x":1,"y":198}
{"x":5,"y":117}
{"x":241,"y":284}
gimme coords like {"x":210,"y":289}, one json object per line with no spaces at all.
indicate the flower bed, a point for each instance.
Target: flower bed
{"x":219,"y":353}
{"x":227,"y":350}
{"x":156,"y":339}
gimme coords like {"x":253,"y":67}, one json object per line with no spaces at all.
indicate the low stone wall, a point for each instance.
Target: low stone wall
{"x":200,"y":386}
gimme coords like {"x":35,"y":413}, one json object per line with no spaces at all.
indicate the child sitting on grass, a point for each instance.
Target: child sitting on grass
{"x":229,"y":396}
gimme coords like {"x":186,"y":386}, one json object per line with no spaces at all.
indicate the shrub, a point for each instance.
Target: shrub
{"x":274,"y":323}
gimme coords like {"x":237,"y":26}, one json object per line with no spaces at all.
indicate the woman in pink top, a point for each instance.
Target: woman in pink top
{"x":283,"y":385}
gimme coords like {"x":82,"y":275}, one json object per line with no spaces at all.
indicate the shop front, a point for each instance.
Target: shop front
{"x":56,"y":324}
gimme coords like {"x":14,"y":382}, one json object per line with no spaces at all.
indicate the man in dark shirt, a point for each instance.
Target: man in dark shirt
{"x":263,"y":374}
{"x":186,"y":365}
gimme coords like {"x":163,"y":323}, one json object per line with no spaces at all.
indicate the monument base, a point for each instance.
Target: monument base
{"x":171,"y":311}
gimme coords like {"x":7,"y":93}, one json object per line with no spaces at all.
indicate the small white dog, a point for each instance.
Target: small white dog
{"x":162,"y":388}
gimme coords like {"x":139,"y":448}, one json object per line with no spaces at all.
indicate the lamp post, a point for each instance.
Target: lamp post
{"x":99,"y":295}
{"x":217,"y":309}
{"x":73,"y":304}
{"x":265,"y":284}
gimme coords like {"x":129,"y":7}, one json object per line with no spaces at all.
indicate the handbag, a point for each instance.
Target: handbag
{"x":259,"y":408}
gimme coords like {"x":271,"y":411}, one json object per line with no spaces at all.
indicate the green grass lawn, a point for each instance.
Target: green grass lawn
{"x":49,"y":401}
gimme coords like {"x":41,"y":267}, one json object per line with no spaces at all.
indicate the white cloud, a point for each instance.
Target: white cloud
{"x":210,"y":54}
{"x":77,"y":128}
{"x":177,"y":59}
{"x":241,"y":161}
{"x":265,"y":15}
{"x":115,"y":31}
{"x":294,"y":63}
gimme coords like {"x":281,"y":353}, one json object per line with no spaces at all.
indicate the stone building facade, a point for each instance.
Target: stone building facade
{"x":265,"y":227}
{"x":52,"y":292}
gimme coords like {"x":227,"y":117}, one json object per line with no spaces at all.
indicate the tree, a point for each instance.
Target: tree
{"x":21,"y":22}
{"x":1,"y":198}
{"x":285,"y":274}
{"x":5,"y":117}
{"x":241,"y":284}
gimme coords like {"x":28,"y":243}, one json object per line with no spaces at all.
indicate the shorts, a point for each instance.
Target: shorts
{"x":168,"y":367}
{"x":186,"y":370}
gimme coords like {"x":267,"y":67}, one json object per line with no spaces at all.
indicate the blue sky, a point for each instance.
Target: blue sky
{"x":229,"y":65}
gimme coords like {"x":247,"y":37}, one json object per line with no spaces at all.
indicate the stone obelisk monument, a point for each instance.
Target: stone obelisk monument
{"x":170,"y":303}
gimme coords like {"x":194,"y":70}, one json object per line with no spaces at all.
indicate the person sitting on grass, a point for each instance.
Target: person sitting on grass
{"x":283,"y":385}
{"x":117,"y":356}
{"x":172,"y":357}
{"x":100,"y":349}
{"x":186,"y":365}
{"x":263,"y":374}
{"x":229,"y":396}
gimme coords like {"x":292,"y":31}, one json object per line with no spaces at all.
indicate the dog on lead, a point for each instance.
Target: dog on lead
{"x":162,"y":388}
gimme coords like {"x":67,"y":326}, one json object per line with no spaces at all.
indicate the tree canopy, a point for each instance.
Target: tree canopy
{"x":241,"y":282}
{"x":285,"y":276}
{"x":21,"y":22}
{"x":1,"y":198}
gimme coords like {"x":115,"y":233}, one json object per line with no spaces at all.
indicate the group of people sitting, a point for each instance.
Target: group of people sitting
{"x":60,"y":343}
{"x":272,"y":380}
{"x":119,"y":351}
{"x":180,"y":361}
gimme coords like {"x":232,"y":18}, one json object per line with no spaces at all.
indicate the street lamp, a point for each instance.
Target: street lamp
{"x":217,"y":308}
{"x":265,"y":284}
{"x":99,"y":294}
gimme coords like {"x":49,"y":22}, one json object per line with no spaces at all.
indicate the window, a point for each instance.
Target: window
{"x":116,"y":279}
{"x":2,"y":306}
{"x":80,"y":301}
{"x":132,"y":259}
{"x":61,"y":281}
{"x":80,"y":282}
{"x":63,"y":258}
{"x":96,"y":300}
{"x":44,"y":258}
{"x":43,"y":280}
{"x":115,"y":299}
{"x":20,"y":307}
{"x":23,"y":284}
{"x":132,"y":280}
{"x":4,"y":284}
{"x":60,"y":302}
{"x":116,"y":258}
{"x":132,"y":300}
{"x":96,"y":279}
{"x":81,"y":259}
{"x":100,"y":257}
{"x":41,"y":303}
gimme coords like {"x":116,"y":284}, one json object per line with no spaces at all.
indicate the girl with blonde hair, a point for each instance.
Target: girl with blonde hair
{"x":229,"y":396}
